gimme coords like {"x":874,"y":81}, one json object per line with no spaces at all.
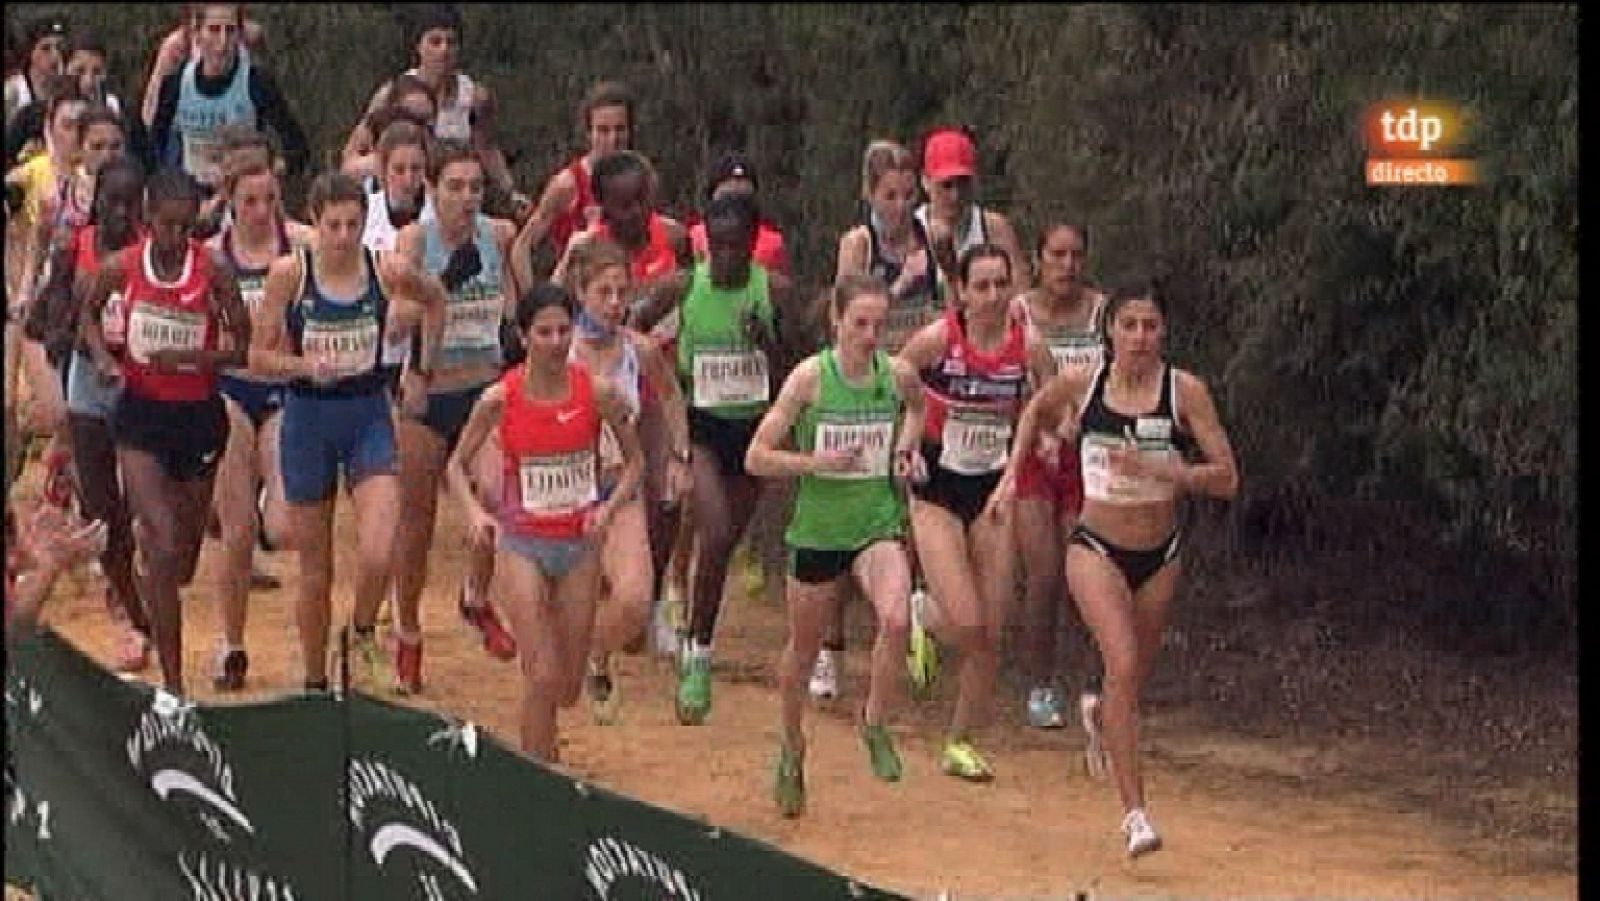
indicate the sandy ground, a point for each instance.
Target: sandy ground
{"x":1239,"y":816}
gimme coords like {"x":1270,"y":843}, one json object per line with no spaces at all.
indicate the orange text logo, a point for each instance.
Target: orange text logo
{"x":1415,"y":142}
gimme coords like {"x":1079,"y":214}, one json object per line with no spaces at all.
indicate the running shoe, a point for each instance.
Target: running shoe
{"x":663,"y":632}
{"x":694,"y":687}
{"x":370,"y":670}
{"x":496,"y":640}
{"x":962,"y":760}
{"x":825,"y":675}
{"x":1142,"y":837}
{"x":1044,"y":708}
{"x":602,"y":691}
{"x":1094,"y":749}
{"x":58,"y":478}
{"x":408,"y":666}
{"x":789,"y":783}
{"x":880,"y":752}
{"x":750,"y":568}
{"x":232,"y":665}
{"x":923,"y":658}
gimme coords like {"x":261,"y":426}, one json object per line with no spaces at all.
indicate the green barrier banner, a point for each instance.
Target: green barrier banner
{"x":118,"y":790}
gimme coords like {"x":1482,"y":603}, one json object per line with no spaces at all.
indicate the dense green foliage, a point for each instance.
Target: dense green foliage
{"x":1388,"y":360}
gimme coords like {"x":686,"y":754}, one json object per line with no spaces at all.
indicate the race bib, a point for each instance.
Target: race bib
{"x":202,"y":158}
{"x":726,"y":379}
{"x":873,"y":438}
{"x":1081,"y":355}
{"x":1103,"y":485}
{"x":112,"y":324}
{"x":251,"y":295}
{"x":153,"y":329}
{"x":559,"y":484}
{"x":906,"y":317}
{"x":473,"y":325}
{"x":975,"y":442}
{"x":349,"y":346}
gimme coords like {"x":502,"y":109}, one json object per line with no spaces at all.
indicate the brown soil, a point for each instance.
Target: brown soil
{"x":1273,"y":767}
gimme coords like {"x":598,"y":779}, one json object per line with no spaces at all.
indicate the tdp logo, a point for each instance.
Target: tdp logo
{"x":1413,"y":128}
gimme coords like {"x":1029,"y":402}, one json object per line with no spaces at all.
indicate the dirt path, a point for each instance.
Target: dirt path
{"x":1239,"y":817}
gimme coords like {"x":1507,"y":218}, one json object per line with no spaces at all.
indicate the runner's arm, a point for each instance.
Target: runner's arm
{"x":505,"y":235}
{"x":766,"y":457}
{"x":174,"y":49}
{"x":1218,"y":476}
{"x":403,"y":278}
{"x":484,"y":417}
{"x":615,"y":413}
{"x":269,"y":352}
{"x":233,"y":317}
{"x":557,"y":197}
{"x":924,"y":348}
{"x":664,"y":382}
{"x":661,"y":297}
{"x":913,"y":396}
{"x":1054,"y":403}
{"x":107,"y":281}
{"x":484,"y":139}
{"x":853,"y":249}
{"x":1005,"y":237}
{"x":166,"y":109}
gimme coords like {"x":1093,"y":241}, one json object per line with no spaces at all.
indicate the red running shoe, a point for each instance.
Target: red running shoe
{"x":408,"y":667}
{"x":496,"y":640}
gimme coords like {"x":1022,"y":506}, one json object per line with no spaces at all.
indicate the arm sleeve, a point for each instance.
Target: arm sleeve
{"x":274,"y":111}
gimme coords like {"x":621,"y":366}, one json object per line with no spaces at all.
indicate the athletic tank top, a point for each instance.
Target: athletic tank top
{"x":453,"y":121}
{"x":769,"y":250}
{"x":86,"y":260}
{"x":199,"y":116}
{"x":474,"y":309}
{"x":575,"y":217}
{"x":921,"y":304}
{"x":971,"y":232}
{"x":549,"y":457}
{"x":347,"y":332}
{"x":656,"y":258}
{"x":1073,"y":347}
{"x":167,"y":316}
{"x":846,"y":511}
{"x":1157,"y":435}
{"x":627,"y":381}
{"x":723,"y":372}
{"x":252,"y":287}
{"x":380,"y":231}
{"x":974,"y":399}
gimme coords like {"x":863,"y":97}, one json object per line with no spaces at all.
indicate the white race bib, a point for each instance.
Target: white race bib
{"x":112,"y":324}
{"x":1083,"y":356}
{"x":350,"y":346}
{"x":975,"y":442}
{"x":153,"y":329}
{"x":202,"y":158}
{"x":905,"y":318}
{"x":725,"y":379}
{"x":252,"y":298}
{"x":558,"y":484}
{"x":472,"y":324}
{"x":874,"y":438}
{"x":1101,"y":484}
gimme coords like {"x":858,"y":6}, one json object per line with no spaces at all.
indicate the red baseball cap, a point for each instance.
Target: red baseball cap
{"x":948,"y":153}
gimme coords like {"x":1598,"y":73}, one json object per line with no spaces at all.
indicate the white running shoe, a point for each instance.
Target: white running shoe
{"x":1142,"y":837}
{"x":1094,"y":750}
{"x":663,"y":631}
{"x":825,"y":675}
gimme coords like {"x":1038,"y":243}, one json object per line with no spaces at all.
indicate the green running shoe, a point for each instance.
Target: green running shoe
{"x":880,"y":752}
{"x":370,"y":669}
{"x":922,"y":657}
{"x":962,"y":760}
{"x":694,"y":690}
{"x":789,"y":783}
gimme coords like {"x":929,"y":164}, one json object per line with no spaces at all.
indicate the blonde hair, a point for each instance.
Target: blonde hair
{"x":588,"y":260}
{"x":881,"y":158}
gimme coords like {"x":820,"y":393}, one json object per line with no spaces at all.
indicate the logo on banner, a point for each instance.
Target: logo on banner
{"x":218,"y":880}
{"x":394,"y":814}
{"x":169,"y":749}
{"x":612,"y":862}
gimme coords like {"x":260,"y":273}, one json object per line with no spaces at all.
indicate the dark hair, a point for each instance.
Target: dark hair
{"x":113,"y":169}
{"x":854,"y":285}
{"x":99,"y":114}
{"x":331,"y":187}
{"x":447,"y":152}
{"x":58,"y":88}
{"x":85,"y":42}
{"x":733,"y":206}
{"x":1049,"y":231}
{"x":544,"y":294}
{"x":1141,"y":288}
{"x":977,"y":252}
{"x":404,"y":85}
{"x":403,"y":131}
{"x":433,"y":15}
{"x":171,"y":183}
{"x":605,"y":93}
{"x":612,"y":166}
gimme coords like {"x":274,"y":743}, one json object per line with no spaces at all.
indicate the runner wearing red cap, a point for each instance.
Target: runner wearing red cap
{"x":952,"y":216}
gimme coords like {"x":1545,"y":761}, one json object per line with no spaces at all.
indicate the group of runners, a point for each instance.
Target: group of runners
{"x":976,"y":418}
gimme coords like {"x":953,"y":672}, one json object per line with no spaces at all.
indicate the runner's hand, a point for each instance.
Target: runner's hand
{"x":317,"y":369}
{"x":413,"y":396}
{"x":597,"y":520}
{"x":1004,"y":494}
{"x":484,"y":529}
{"x":852,"y":460}
{"x":680,"y":481}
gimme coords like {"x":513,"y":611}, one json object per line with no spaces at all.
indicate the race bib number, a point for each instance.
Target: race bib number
{"x":202,"y":158}
{"x":559,"y":484}
{"x":153,"y":329}
{"x":906,"y":317}
{"x":112,"y":324}
{"x":1076,"y":355}
{"x":873,"y":440}
{"x":1101,"y":484}
{"x":350,"y":347}
{"x":726,"y":379}
{"x":473,"y":325}
{"x":976,"y":442}
{"x":251,"y":294}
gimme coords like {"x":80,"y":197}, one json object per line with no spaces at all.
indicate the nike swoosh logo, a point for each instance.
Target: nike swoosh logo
{"x":566,"y":416}
{"x":165,"y":782}
{"x":393,"y":835}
